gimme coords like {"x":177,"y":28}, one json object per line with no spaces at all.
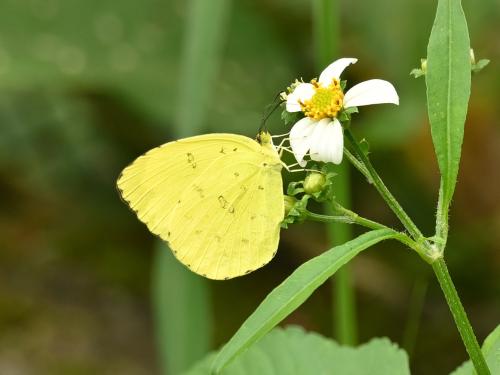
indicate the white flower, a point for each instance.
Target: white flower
{"x":319,"y":132}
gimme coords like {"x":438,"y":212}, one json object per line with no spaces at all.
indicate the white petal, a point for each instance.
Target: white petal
{"x":374,"y":91}
{"x":327,"y":141}
{"x":302,"y":92}
{"x":337,"y":142}
{"x":335,"y":69}
{"x":300,"y":138}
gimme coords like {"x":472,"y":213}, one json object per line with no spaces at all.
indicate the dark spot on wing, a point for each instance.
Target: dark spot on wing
{"x":223,"y":202}
{"x":264,"y":164}
{"x":190,"y":160}
{"x":260,"y":187}
{"x":247,"y":272}
{"x":222,"y":150}
{"x":236,"y":174}
{"x":245,"y":240}
{"x":199,"y":190}
{"x":235,"y":149}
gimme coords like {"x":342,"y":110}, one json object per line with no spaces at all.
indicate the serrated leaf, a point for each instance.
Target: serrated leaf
{"x":491,"y":352}
{"x":448,"y":81}
{"x":290,"y":294}
{"x":294,"y":351}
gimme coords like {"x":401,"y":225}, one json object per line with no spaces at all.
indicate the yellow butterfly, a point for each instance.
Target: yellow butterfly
{"x":217,"y":199}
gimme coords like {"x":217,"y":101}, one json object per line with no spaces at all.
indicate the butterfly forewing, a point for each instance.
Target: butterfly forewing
{"x":217,"y":200}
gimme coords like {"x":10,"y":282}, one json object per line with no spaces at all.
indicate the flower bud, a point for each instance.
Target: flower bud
{"x":314,"y":182}
{"x":289,"y":203}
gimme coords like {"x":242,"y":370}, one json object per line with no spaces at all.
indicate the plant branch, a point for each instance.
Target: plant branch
{"x":461,"y":320}
{"x":346,"y":219}
{"x":358,"y":165}
{"x":442,"y":220}
{"x":384,"y":192}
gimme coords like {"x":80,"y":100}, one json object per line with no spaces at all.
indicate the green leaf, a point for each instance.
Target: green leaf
{"x":289,"y":118}
{"x":294,"y":351}
{"x":448,"y":81}
{"x":491,"y":351}
{"x":290,"y":294}
{"x":417,"y":73}
{"x":477,"y":67}
{"x":182,"y":308}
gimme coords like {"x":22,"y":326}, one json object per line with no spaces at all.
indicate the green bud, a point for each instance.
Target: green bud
{"x":289,"y":203}
{"x":314,"y":182}
{"x":423,"y":65}
{"x":472,"y":57}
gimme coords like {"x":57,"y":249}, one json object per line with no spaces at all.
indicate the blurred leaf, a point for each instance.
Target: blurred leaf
{"x":292,"y":292}
{"x":448,"y":81}
{"x":183,"y":312}
{"x":134,"y":51}
{"x":48,"y":140}
{"x":294,"y":351}
{"x":491,"y":351}
{"x":206,"y":29}
{"x":184,"y":320}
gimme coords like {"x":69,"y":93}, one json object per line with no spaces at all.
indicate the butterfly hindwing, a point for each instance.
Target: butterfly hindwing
{"x":228,"y":227}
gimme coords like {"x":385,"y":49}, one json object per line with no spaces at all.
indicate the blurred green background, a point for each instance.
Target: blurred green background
{"x":86,"y":86}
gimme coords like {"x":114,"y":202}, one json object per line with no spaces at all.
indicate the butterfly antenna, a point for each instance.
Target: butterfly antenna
{"x":270,"y":110}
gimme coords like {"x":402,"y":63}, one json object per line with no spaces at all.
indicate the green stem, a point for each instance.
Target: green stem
{"x":461,"y":320}
{"x":326,"y":30}
{"x":358,"y":165}
{"x":384,"y":192}
{"x":349,"y":217}
{"x":346,"y":219}
{"x":442,"y":220}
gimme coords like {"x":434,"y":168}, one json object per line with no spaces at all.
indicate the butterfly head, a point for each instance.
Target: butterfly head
{"x":264,"y":138}
{"x":266,"y":141}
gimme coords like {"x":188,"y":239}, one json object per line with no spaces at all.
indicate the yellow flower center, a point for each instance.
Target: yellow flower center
{"x":326,"y":101}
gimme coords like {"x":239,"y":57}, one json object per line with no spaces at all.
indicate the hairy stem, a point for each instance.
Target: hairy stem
{"x":358,"y":165}
{"x":384,"y":192}
{"x":346,"y":219}
{"x":460,"y":317}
